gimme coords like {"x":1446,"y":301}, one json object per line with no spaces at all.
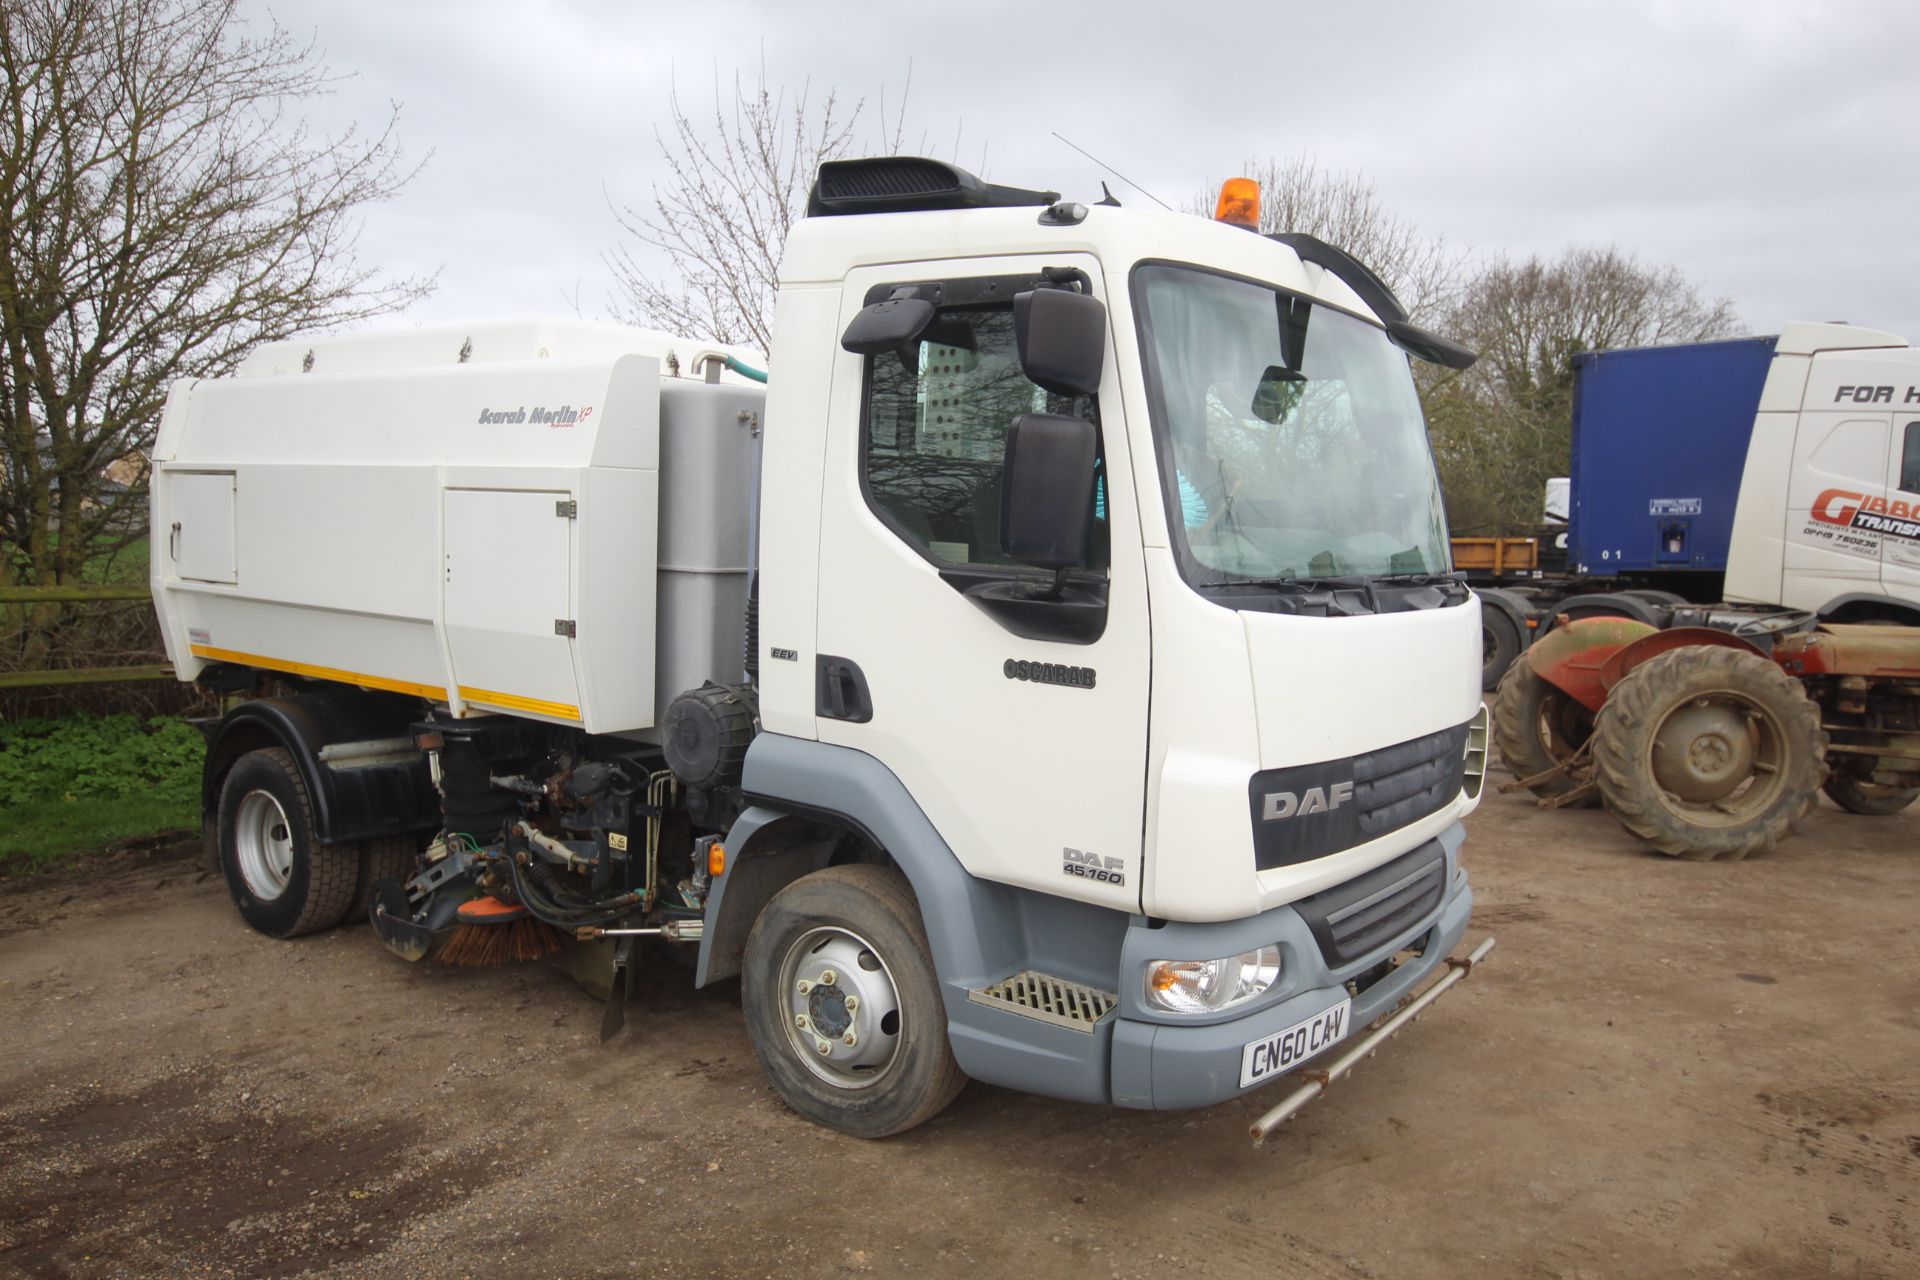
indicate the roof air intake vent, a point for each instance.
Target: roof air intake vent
{"x":896,"y":184}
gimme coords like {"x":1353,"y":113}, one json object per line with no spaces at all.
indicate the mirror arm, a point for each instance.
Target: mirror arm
{"x":1041,"y":590}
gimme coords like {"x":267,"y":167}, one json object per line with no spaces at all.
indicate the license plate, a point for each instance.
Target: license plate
{"x":1284,"y":1050}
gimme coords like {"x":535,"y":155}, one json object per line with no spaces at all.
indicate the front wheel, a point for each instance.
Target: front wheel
{"x":1864,"y":796}
{"x":1706,"y":752}
{"x":842,"y":1004}
{"x":1537,"y":727}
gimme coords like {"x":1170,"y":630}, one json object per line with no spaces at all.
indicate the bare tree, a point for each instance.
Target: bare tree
{"x":1343,"y":209}
{"x":161,"y":212}
{"x":1502,"y":427}
{"x":735,"y":186}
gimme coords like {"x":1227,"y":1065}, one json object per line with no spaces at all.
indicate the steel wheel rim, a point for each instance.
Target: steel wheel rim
{"x":841,"y":1007}
{"x":263,"y":845}
{"x":1710,"y":773}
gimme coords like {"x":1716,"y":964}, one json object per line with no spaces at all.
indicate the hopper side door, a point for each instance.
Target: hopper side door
{"x":509,"y":607}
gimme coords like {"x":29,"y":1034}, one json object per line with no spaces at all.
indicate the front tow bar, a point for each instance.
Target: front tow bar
{"x":1319,"y":1079}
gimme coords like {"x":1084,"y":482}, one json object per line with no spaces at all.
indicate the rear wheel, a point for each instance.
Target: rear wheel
{"x":1860,"y":794}
{"x":283,"y":883}
{"x":1537,"y":727}
{"x":1705,"y":752}
{"x":842,"y":1004}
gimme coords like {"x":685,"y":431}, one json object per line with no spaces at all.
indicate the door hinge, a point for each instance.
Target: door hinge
{"x":567,"y":509}
{"x":565,"y":627}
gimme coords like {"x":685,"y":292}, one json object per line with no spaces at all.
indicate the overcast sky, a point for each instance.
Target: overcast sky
{"x":1770,"y":150}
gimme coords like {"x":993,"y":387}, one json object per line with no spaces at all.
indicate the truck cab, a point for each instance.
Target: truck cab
{"x":1829,"y":512}
{"x":1249,"y":718}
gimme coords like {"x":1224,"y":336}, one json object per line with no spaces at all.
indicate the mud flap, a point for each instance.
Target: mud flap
{"x":615,"y":1015}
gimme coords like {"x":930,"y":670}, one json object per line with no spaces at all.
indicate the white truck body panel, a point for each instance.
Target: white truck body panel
{"x":399,"y":528}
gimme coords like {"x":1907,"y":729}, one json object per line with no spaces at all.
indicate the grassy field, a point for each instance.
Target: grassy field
{"x":80,"y":782}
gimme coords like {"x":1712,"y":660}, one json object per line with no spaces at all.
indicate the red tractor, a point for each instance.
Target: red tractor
{"x":1712,"y":741}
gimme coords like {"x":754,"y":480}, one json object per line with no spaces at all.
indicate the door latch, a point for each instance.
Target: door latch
{"x":840,"y":690}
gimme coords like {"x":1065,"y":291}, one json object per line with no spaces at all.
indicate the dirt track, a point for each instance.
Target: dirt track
{"x":1667,"y":1069}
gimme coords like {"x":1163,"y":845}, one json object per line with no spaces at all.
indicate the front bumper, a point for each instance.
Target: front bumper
{"x":1163,"y":1063}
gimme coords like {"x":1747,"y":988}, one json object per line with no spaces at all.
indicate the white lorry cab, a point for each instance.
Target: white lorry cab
{"x":1053,"y":675}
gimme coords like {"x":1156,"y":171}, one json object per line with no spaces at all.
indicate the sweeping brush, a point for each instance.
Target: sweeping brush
{"x":488,"y":931}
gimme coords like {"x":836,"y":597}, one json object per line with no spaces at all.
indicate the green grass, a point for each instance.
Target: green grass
{"x":72,"y":785}
{"x":45,"y":833}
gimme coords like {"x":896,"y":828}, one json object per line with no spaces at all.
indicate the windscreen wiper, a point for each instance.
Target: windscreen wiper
{"x":1448,"y":582}
{"x":1309,"y":586}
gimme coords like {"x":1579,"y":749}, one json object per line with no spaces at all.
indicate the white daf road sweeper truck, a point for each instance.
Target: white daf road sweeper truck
{"x":1052,"y":676}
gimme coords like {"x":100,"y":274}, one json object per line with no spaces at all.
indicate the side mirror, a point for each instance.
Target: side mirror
{"x":1062,"y":339}
{"x":1046,"y":490}
{"x":890,"y":325}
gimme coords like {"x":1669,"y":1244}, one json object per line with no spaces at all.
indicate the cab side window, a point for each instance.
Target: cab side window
{"x":934,"y":440}
{"x":1910,"y":459}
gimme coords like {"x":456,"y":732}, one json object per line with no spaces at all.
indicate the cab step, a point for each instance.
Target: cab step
{"x":1038,"y":995}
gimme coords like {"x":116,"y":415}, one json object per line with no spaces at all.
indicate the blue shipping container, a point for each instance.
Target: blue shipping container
{"x":1659,"y":440}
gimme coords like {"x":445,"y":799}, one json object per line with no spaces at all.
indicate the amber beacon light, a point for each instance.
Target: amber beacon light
{"x":1239,"y":203}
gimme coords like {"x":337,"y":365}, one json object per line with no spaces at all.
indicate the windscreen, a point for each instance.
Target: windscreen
{"x":1290,"y":439}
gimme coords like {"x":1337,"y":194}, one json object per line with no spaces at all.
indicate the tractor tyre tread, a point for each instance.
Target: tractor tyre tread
{"x":1642,"y":700}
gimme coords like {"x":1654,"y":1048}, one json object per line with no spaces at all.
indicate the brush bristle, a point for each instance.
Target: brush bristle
{"x":474,"y":945}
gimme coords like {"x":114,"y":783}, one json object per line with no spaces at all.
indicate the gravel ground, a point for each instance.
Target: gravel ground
{"x":1667,"y":1069}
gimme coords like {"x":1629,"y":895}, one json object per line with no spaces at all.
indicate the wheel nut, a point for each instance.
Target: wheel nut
{"x":825,"y":1047}
{"x":826,"y":979}
{"x":801,"y":1022}
{"x":848,"y":1038}
{"x":853,"y":1002}
{"x":803,"y":986}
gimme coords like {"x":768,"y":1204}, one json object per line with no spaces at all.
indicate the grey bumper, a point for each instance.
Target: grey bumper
{"x":1163,"y":1063}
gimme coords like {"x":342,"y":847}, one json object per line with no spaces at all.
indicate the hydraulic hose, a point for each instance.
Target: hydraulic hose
{"x":544,"y":908}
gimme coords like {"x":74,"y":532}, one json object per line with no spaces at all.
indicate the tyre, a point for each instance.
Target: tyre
{"x":283,"y":883}
{"x":381,"y":858}
{"x":1706,"y":752}
{"x":1862,"y":795}
{"x":842,"y":1004}
{"x":1499,"y":645}
{"x":1536,"y":726}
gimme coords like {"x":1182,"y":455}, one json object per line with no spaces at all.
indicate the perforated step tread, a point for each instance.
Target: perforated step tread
{"x":1050,"y":999}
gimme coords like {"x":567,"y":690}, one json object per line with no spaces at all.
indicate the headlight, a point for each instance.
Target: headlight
{"x":1208,"y":986}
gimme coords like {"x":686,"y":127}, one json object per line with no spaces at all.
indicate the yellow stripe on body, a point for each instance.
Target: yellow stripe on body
{"x":508,"y":701}
{"x":313,"y":672}
{"x":514,"y":702}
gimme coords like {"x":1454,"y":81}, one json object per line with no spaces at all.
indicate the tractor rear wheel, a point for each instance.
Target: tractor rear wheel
{"x":1706,"y":752}
{"x":1537,"y":727}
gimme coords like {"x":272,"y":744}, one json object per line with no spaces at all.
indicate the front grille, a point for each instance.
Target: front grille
{"x":1050,"y":999}
{"x":1353,"y":919}
{"x":1312,"y":810}
{"x":1395,"y":786}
